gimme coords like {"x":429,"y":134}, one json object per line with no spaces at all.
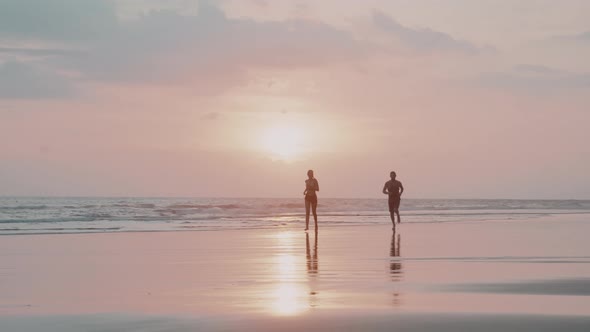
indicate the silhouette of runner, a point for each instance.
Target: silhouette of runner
{"x":311,"y":199}
{"x":394,"y":189}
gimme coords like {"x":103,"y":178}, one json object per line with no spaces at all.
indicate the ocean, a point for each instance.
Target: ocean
{"x":34,"y":215}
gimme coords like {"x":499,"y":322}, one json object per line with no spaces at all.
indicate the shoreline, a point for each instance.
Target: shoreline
{"x":292,"y":226}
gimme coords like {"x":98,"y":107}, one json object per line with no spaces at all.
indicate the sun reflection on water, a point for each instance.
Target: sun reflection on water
{"x":289,"y":293}
{"x":288,"y":300}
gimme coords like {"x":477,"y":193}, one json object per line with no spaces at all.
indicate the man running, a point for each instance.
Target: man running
{"x":394,"y":189}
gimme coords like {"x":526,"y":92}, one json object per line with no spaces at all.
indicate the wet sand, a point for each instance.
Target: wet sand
{"x":479,"y":276}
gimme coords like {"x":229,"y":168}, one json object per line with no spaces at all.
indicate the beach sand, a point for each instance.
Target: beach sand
{"x":516,"y":275}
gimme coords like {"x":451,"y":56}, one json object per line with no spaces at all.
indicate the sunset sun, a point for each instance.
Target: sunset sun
{"x":283,"y":142}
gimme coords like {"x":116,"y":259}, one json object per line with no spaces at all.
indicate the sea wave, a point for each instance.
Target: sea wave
{"x":45,"y":220}
{"x":23,"y":207}
{"x":205,"y":206}
{"x":170,"y":213}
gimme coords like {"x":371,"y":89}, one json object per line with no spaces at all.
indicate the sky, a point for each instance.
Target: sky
{"x":239,"y":98}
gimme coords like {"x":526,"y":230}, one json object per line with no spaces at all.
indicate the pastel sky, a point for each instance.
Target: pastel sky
{"x":231,"y":98}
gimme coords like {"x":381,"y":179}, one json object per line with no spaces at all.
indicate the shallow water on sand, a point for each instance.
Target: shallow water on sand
{"x":536,"y":270}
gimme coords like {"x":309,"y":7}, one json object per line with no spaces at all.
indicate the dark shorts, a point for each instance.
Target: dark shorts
{"x":394,"y":203}
{"x":313,"y":199}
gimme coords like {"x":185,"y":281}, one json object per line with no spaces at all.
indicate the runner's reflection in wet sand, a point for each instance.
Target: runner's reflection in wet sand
{"x":312,"y":269}
{"x":395,"y":265}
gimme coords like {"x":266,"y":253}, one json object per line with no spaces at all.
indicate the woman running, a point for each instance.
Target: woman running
{"x":311,"y":199}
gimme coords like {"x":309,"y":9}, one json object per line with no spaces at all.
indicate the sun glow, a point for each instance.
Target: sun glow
{"x":284,"y":142}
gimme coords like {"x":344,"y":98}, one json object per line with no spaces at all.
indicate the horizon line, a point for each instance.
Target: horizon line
{"x":292,"y":197}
